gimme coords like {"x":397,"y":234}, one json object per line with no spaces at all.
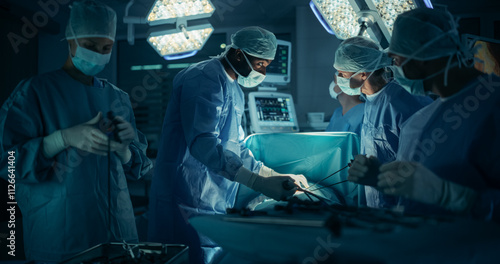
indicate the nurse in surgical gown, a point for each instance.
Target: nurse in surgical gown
{"x":64,"y":198}
{"x":360,"y":62}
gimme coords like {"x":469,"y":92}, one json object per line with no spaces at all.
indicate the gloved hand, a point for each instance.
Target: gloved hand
{"x":364,"y":170}
{"x":271,"y":186}
{"x":126,"y":134}
{"x":86,"y":137}
{"x":414,"y":181}
{"x":298,"y":178}
{"x":274,"y":187}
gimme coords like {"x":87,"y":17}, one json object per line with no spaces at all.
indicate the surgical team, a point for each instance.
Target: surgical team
{"x":425,"y":156}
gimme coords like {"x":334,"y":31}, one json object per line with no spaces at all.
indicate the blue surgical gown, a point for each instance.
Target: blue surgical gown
{"x":458,"y":138}
{"x":201,"y":149}
{"x":350,"y":122}
{"x":385,"y":113}
{"x":64,"y":199}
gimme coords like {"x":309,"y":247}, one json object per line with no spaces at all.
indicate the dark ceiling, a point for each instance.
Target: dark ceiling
{"x":237,"y":13}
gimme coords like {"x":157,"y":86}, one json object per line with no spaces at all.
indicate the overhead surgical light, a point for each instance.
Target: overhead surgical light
{"x":389,"y":10}
{"x":337,"y":17}
{"x":180,"y":42}
{"x":178,"y":30}
{"x":166,"y":11}
{"x":372,"y":18}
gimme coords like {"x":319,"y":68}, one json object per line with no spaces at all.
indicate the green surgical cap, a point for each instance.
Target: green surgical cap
{"x":91,"y":19}
{"x":255,"y":41}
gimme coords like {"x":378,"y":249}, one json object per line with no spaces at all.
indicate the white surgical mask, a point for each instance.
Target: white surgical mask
{"x":333,"y":94}
{"x":345,"y":86}
{"x":253,"y":79}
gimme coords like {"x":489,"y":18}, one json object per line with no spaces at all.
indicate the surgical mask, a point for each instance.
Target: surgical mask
{"x":416,"y":86}
{"x":253,"y":79}
{"x":89,"y":62}
{"x":344,"y":84}
{"x":333,"y":94}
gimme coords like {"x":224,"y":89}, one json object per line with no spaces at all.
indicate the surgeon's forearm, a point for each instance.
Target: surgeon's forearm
{"x":206,"y":150}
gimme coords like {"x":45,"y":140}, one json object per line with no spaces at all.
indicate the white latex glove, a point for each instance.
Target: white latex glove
{"x":86,"y":137}
{"x":126,"y":133}
{"x":414,"y":181}
{"x":298,"y":178}
{"x":364,"y":170}
{"x":271,"y":186}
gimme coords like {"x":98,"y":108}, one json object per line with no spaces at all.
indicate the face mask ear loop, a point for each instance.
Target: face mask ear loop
{"x":377,"y":63}
{"x":225,"y":57}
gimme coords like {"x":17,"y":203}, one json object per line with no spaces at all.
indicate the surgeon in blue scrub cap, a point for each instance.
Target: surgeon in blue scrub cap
{"x":52,"y":125}
{"x":202,"y":159}
{"x":361,"y":67}
{"x":448,"y":155}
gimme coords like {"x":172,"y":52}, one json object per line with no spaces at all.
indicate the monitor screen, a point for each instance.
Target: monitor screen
{"x":278,"y":72}
{"x":273,"y":109}
{"x":272,"y":112}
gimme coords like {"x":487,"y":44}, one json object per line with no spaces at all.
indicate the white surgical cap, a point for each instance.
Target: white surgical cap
{"x":255,"y":41}
{"x":91,"y":19}
{"x":425,"y":34}
{"x":360,"y":54}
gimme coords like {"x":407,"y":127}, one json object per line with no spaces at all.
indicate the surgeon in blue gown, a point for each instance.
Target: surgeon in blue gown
{"x":447,"y":162}
{"x":51,"y":124}
{"x":361,"y":67}
{"x":349,"y":116}
{"x":202,"y":159}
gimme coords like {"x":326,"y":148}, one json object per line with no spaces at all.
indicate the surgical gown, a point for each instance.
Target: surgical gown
{"x":201,"y":149}
{"x":64,"y":199}
{"x":350,"y":122}
{"x":458,"y":139}
{"x":385,"y":113}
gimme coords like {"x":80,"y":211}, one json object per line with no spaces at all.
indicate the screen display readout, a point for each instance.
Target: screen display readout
{"x":273,"y":109}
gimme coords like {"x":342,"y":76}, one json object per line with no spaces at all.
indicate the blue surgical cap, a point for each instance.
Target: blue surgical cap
{"x":360,"y":54}
{"x":425,"y":34}
{"x":255,"y":41}
{"x":91,"y":19}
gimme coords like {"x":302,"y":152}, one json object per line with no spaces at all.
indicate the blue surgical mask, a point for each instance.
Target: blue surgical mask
{"x":253,"y":79}
{"x":89,"y":62}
